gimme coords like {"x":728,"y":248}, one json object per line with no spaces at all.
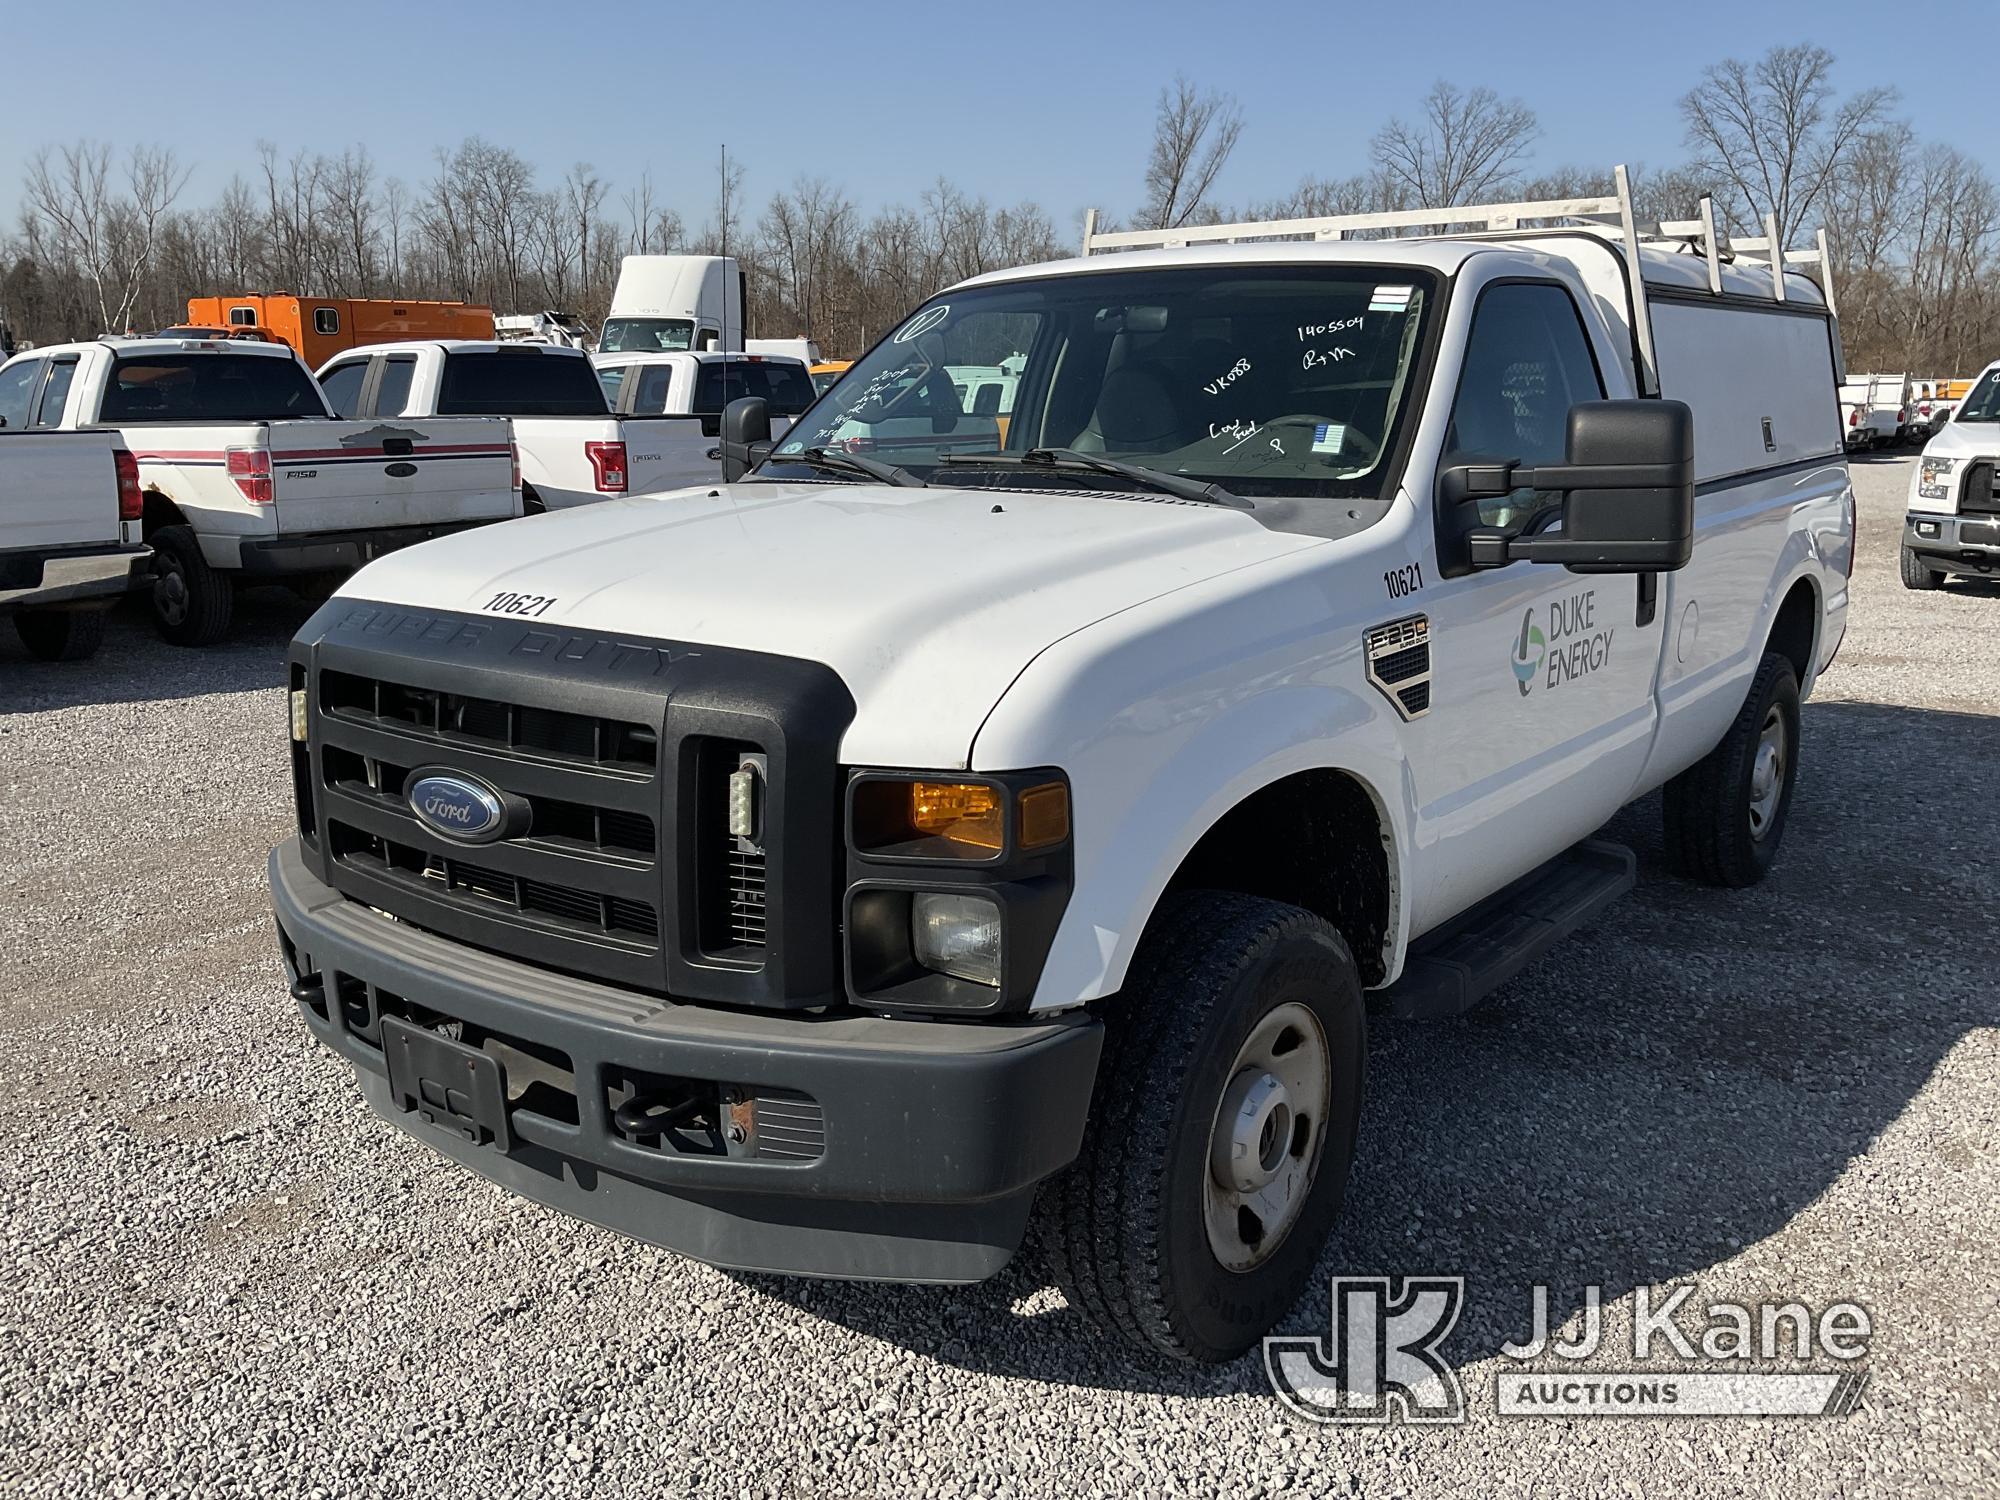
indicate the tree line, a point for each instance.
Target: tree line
{"x":106,"y":242}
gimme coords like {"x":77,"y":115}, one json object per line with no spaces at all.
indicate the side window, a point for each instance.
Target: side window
{"x":652,"y":396}
{"x":326,"y":320}
{"x":342,"y":385}
{"x":48,"y":412}
{"x":17,"y":392}
{"x":393,"y":394}
{"x":1527,"y":361}
{"x":243,"y":317}
{"x":611,"y":377}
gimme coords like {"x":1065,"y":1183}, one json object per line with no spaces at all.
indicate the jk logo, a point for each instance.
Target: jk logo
{"x":1380,"y":1358}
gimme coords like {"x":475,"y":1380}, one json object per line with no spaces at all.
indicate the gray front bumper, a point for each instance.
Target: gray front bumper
{"x":1962,"y":544}
{"x":935,"y":1133}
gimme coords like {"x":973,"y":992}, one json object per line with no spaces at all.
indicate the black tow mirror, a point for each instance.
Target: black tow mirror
{"x":1628,"y":493}
{"x":746,"y":436}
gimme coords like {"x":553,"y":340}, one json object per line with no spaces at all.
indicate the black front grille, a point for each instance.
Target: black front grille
{"x":455,"y":718}
{"x":612,"y":758}
{"x":1979,"y":495}
{"x":580,"y":887}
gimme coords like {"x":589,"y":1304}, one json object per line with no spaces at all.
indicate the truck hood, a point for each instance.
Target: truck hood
{"x":927,"y":602}
{"x":1965,"y":440}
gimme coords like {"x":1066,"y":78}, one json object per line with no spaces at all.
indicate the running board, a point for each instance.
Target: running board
{"x":1450,"y":970}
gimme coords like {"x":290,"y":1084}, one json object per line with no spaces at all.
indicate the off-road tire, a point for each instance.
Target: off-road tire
{"x":201,"y":617}
{"x":1123,"y":1229}
{"x":1707,"y":808}
{"x":1917,"y":574}
{"x":61,"y":634}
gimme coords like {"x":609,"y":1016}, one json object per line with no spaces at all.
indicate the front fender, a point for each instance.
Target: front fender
{"x":1164,"y":726}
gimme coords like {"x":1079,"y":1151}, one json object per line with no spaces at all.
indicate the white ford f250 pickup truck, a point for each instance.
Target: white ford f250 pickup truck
{"x":1953,"y":519}
{"x":574,"y":450}
{"x":69,"y":516}
{"x":693,"y":390}
{"x":246,"y":476}
{"x":804,"y":874}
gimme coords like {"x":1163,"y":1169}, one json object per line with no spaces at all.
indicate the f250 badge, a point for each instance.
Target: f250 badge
{"x":1570,"y":648}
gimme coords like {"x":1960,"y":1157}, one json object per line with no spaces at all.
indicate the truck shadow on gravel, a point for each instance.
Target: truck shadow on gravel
{"x":1676,"y":1083}
{"x":135,"y":666}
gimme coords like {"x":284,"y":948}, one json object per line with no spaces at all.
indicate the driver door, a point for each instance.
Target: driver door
{"x":1543,"y":679}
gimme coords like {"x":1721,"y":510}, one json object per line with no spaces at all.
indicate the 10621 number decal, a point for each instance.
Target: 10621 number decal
{"x":1404,"y":581}
{"x":519,"y":604}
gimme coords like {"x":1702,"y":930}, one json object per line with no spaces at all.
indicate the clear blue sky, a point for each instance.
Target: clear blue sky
{"x":1050,"y":101}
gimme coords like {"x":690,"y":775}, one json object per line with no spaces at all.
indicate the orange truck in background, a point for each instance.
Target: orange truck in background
{"x":321,"y":327}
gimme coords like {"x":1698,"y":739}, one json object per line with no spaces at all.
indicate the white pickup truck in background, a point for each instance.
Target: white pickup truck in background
{"x":574,"y":449}
{"x":1874,"y":410}
{"x":245,"y":476}
{"x":685,"y":395}
{"x":69,"y":516}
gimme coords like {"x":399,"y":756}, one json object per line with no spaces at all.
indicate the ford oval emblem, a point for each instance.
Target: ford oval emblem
{"x":458,"y":807}
{"x":400,"y":471}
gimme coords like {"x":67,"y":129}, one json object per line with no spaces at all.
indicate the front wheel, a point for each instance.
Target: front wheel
{"x":1917,"y":574}
{"x":1726,"y":813}
{"x":1221,"y":1132}
{"x":192,"y":602}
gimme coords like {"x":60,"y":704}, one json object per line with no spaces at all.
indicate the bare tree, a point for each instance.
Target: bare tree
{"x":1193,"y":136}
{"x":1773,"y":133}
{"x":1468,"y":145}
{"x":350,"y":203}
{"x":111,"y":235}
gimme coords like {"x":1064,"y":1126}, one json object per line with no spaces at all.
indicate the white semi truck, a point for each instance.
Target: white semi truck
{"x":809,"y":873}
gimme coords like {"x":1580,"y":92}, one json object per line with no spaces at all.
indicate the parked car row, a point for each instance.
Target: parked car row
{"x":1879,"y":411}
{"x":198,"y":465}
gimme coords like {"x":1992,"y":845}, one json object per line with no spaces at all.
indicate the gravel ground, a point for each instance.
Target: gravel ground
{"x":227,"y":1278}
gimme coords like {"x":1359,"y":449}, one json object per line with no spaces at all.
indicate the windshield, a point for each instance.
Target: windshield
{"x":646,"y":335}
{"x":1266,"y":379}
{"x":520,"y":383}
{"x":209,"y":387}
{"x":1982,"y":402}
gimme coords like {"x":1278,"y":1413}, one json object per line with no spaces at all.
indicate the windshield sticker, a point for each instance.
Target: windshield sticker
{"x":1392,"y":299}
{"x":1329,"y":437}
{"x":923,"y":322}
{"x":1227,"y":378}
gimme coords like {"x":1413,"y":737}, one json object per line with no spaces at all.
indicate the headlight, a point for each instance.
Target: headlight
{"x":1934,"y":478}
{"x":957,"y":935}
{"x":299,"y":720}
{"x":930,"y":820}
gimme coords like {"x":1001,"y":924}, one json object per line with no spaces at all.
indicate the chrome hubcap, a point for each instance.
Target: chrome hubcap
{"x":1265,"y":1142}
{"x":1767,"y":773}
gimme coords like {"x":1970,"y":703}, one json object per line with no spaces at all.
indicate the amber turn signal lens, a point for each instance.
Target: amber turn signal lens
{"x":1044,"y":815}
{"x":963,"y":812}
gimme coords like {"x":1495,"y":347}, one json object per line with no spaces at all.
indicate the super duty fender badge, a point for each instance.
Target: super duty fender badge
{"x":1571,"y":647}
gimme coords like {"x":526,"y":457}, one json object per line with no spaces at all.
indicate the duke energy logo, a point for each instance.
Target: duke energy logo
{"x":1570,"y":645}
{"x":1528,"y":653}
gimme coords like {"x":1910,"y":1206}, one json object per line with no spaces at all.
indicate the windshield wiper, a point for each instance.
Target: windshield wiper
{"x":1178,"y":485}
{"x":852,"y":463}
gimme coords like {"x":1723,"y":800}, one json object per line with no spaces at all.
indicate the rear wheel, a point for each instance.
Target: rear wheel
{"x":61,"y":634}
{"x":192,"y":602}
{"x":1917,"y":574}
{"x":1222,"y":1130}
{"x":1726,"y":813}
